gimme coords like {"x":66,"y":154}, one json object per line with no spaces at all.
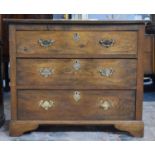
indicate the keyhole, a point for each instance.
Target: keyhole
{"x":76,"y":65}
{"x":25,"y":49}
{"x":77,"y":93}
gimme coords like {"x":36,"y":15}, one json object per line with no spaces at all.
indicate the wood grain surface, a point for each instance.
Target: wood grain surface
{"x":122,"y":105}
{"x":87,"y":77}
{"x":65,"y":45}
{"x":44,"y":79}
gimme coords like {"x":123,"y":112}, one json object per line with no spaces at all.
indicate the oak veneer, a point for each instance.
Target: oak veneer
{"x":88,"y":107}
{"x":88,"y":42}
{"x":65,"y":76}
{"x":76,"y":72}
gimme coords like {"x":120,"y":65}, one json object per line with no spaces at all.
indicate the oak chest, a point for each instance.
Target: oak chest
{"x":76,"y":73}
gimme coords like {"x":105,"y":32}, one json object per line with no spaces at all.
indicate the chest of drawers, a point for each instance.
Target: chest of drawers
{"x":76,"y":73}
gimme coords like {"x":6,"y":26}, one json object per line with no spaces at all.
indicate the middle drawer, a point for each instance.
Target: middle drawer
{"x":77,"y":73}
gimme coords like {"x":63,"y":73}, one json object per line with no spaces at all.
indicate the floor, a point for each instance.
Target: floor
{"x":88,"y":133}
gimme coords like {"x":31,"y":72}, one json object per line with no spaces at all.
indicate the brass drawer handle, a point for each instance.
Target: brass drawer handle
{"x":76,"y":65}
{"x":76,"y":96}
{"x":46,"y":104}
{"x":105,"y":105}
{"x":46,"y":43}
{"x":107,"y":42}
{"x":46,"y":72}
{"x":107,"y":72}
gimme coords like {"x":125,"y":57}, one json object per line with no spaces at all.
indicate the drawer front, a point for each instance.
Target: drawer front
{"x":71,"y":43}
{"x":76,"y":73}
{"x":76,"y":105}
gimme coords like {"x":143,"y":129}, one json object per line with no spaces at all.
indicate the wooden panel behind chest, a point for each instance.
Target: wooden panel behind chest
{"x":76,"y":43}
{"x":90,"y":106}
{"x":148,"y":54}
{"x":77,"y":73}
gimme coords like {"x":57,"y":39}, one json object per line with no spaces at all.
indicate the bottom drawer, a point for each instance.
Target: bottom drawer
{"x":76,"y":105}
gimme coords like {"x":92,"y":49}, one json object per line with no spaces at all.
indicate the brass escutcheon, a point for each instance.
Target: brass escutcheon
{"x":76,"y":96}
{"x":76,"y":65}
{"x":76,"y":37}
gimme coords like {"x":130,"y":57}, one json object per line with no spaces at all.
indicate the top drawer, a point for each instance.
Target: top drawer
{"x":81,"y":43}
